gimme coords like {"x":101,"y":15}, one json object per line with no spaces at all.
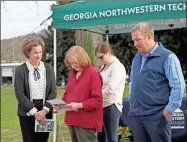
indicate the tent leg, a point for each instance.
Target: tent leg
{"x":54,"y":51}
{"x":107,"y":39}
{"x":54,"y":56}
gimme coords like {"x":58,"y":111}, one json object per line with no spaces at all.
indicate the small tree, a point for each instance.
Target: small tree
{"x":89,"y":46}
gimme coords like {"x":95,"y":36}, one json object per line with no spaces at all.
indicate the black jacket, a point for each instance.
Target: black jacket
{"x":22,"y":90}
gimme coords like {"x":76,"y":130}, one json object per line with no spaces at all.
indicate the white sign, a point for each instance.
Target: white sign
{"x":178,"y":120}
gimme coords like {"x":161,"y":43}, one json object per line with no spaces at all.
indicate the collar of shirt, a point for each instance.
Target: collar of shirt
{"x":31,"y":68}
{"x":112,"y":60}
{"x":144,"y":57}
{"x":151,"y":52}
{"x":104,"y":67}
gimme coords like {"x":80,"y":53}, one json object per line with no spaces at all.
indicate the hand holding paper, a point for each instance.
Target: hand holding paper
{"x":40,"y":115}
{"x":56,"y":102}
{"x":56,"y":107}
{"x":59,"y":106}
{"x":75,"y":106}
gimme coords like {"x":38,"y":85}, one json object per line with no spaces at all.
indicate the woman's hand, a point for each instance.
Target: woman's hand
{"x":75,"y":106}
{"x":40,"y":115}
{"x":56,"y":108}
{"x":43,"y":122}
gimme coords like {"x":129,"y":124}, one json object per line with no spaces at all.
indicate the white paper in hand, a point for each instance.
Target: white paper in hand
{"x":61,"y":104}
{"x":56,"y":102}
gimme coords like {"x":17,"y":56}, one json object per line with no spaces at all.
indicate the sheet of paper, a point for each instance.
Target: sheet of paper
{"x":63,"y":108}
{"x":61,"y":104}
{"x":56,"y":102}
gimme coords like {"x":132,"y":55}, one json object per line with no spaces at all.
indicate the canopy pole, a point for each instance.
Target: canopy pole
{"x":54,"y":61}
{"x":54,"y":51}
{"x":107,"y":39}
{"x":106,"y":34}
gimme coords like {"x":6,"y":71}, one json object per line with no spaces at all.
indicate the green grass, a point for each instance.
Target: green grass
{"x":10,"y":128}
{"x":126,"y":91}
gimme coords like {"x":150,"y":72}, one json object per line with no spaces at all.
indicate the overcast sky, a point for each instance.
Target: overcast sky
{"x":21,"y":17}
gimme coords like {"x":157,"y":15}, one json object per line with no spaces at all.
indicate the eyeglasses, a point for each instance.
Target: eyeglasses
{"x":101,"y":57}
{"x":73,"y":64}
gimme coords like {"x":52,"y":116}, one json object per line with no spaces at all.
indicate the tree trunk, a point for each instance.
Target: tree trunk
{"x":79,"y":34}
{"x":97,"y":38}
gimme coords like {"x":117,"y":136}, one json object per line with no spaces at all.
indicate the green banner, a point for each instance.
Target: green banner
{"x":88,"y":14}
{"x":114,"y":15}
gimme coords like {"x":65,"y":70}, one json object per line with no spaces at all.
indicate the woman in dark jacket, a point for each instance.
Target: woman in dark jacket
{"x":34,"y":85}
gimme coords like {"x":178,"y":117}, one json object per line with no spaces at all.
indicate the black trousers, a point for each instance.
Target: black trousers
{"x":27,"y":125}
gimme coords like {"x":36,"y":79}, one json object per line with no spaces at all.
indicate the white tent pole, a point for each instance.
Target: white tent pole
{"x":107,"y":39}
{"x":54,"y":51}
{"x":106,"y":34}
{"x":54,"y":60}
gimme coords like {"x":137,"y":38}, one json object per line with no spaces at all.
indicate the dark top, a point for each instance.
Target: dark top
{"x":22,"y":89}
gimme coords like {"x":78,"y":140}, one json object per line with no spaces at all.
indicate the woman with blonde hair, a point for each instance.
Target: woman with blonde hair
{"x":83,"y":95}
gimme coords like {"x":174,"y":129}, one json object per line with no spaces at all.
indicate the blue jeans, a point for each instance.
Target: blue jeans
{"x":150,"y":128}
{"x":111,"y":116}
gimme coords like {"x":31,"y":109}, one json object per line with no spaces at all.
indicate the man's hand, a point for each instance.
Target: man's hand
{"x":75,"y":106}
{"x":167,"y":114}
{"x":40,"y":115}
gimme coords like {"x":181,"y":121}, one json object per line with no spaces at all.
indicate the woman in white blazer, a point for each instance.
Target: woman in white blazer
{"x":114,"y":75}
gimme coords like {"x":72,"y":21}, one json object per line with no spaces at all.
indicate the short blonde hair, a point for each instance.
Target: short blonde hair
{"x":144,"y":27}
{"x":80,"y":54}
{"x":30,"y":43}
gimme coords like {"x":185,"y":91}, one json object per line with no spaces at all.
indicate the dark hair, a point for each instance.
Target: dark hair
{"x":104,"y":47}
{"x":30,"y":43}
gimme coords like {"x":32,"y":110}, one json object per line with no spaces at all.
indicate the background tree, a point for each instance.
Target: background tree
{"x":65,"y":39}
{"x":89,"y":46}
{"x":175,"y":40}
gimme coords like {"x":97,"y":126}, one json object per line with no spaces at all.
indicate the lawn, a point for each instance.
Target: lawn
{"x":10,"y":129}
